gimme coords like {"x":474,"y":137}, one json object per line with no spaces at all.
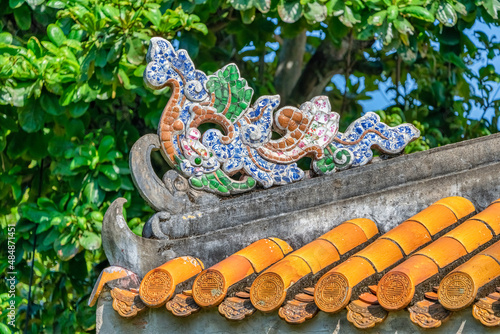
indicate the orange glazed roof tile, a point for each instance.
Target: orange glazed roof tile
{"x":271,"y":267}
{"x":396,"y":289}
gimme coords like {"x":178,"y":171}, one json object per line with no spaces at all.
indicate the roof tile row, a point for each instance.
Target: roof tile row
{"x":275,"y":267}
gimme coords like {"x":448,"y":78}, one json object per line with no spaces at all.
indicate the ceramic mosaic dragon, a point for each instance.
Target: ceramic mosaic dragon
{"x":209,"y":160}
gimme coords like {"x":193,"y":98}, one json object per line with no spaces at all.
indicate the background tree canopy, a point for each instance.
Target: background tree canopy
{"x":73,"y":103}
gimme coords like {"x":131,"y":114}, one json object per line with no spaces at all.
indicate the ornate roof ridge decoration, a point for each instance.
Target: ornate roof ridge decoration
{"x":365,"y":312}
{"x":207,"y":161}
{"x":183,"y":304}
{"x":300,"y":308}
{"x":487,"y":309}
{"x":237,"y":307}
{"x":428,"y":312}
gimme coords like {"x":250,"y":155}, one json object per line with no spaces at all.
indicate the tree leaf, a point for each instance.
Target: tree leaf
{"x":92,"y":193}
{"x":201,"y":27}
{"x":446,"y":15}
{"x":58,"y":4}
{"x":403,"y":26}
{"x":392,"y":13}
{"x":35,"y":46}
{"x":242,"y":5}
{"x":315,"y":12}
{"x":90,"y":240}
{"x":459,"y":8}
{"x":69,"y":95}
{"x":107,"y":143}
{"x":15,"y":3}
{"x":135,"y":51}
{"x":30,"y":118}
{"x":492,"y":7}
{"x":67,"y":251}
{"x":51,"y":105}
{"x":22,"y":15}
{"x":289,"y":11}
{"x":378,"y":18}
{"x":115,"y":51}
{"x":262,"y":5}
{"x":418,"y":12}
{"x":110,"y":171}
{"x":247,"y":16}
{"x":55,"y":34}
{"x":78,"y":109}
{"x":6,"y":38}
{"x":108,"y":184}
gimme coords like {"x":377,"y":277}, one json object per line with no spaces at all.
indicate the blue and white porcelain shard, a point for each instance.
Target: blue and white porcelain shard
{"x":224,"y":97}
{"x":368,"y":131}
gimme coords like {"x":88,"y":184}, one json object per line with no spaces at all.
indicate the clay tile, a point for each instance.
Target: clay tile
{"x":350,"y":234}
{"x":462,"y":207}
{"x":333,"y":291}
{"x":487,"y":311}
{"x":493,"y":251}
{"x":234,"y":308}
{"x":364,"y":315}
{"x":397,"y":288}
{"x":107,"y":275}
{"x":285,"y":247}
{"x":444,"y":251}
{"x":269,"y":289}
{"x":126,"y":303}
{"x":435,"y":218}
{"x":471,"y":234}
{"x":182,"y":305}
{"x":303,"y":297}
{"x":242,"y":294}
{"x":367,"y":225}
{"x":263,"y":253}
{"x":431,"y":296}
{"x":381,"y":259}
{"x":368,"y":298}
{"x":428,"y":314}
{"x":491,"y":216}
{"x":296,"y":312}
{"x":494,"y":295}
{"x":318,"y":254}
{"x":159,"y":284}
{"x":211,"y":286}
{"x":410,"y":235}
{"x":459,"y":288}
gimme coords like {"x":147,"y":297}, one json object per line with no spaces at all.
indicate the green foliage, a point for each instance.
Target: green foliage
{"x":73,"y":102}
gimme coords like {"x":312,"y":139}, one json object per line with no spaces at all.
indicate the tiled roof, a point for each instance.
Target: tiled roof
{"x":437,"y":261}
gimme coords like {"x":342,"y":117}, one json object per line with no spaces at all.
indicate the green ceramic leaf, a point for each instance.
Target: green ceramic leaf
{"x":232,"y":95}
